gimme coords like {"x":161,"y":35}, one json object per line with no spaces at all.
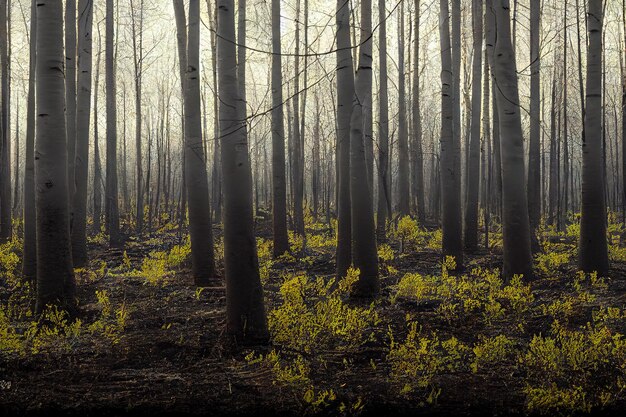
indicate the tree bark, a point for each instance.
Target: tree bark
{"x":279,"y":182}
{"x":202,"y":258}
{"x":345,"y":94}
{"x":245,"y":311}
{"x":79,"y":230}
{"x":55,"y":274}
{"x":29,"y":259}
{"x":593,"y":251}
{"x":417,"y":122}
{"x":516,"y":229}
{"x":297,"y":158}
{"x":364,"y":252}
{"x":450,"y":148}
{"x":384,"y":196}
{"x":111,"y":203}
{"x":138,"y":65}
{"x":473,"y":168}
{"x":97,"y":168}
{"x":70,"y":98}
{"x":404,"y":190}
{"x":534,"y":156}
{"x":6,"y":228}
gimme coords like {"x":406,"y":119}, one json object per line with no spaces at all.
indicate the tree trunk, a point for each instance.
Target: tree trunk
{"x":55,"y":274}
{"x":623,"y":69}
{"x":297,"y":159}
{"x":79,"y":230}
{"x":384,"y":196}
{"x":70,"y":98}
{"x":417,"y":123}
{"x":245,"y":311}
{"x":138,"y":65}
{"x":490,"y":41}
{"x":345,"y":94}
{"x":111,"y":203}
{"x":534,"y":156}
{"x":16,"y":165}
{"x":473,"y":168}
{"x":364,"y":252}
{"x":593,"y":252}
{"x":450,"y":148}
{"x":404,"y":191}
{"x":279,"y":183}
{"x":6,"y":228}
{"x":97,"y":168}
{"x":565,"y":206}
{"x":516,"y":230}
{"x":29,"y":260}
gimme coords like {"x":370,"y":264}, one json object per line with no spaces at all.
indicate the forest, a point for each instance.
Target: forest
{"x":313,"y":207}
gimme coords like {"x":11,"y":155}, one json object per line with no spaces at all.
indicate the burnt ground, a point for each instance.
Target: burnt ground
{"x":174,"y":359}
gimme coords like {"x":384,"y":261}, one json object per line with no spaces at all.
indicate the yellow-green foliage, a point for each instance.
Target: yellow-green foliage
{"x":296,"y":242}
{"x":407,"y":232}
{"x":576,"y":370}
{"x":416,"y":361}
{"x":490,"y":351}
{"x":386,"y":255}
{"x":89,"y":275}
{"x":416,"y":287}
{"x":264,"y":253}
{"x":9,"y":261}
{"x":159,"y":265}
{"x":480,"y":292}
{"x":321,"y":241}
{"x":294,"y":374}
{"x":10,"y":340}
{"x":313,"y":315}
{"x":54,"y":330}
{"x":111,"y":323}
{"x":548,"y":262}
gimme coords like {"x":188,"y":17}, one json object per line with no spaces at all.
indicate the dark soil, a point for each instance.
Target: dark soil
{"x":174,"y":359}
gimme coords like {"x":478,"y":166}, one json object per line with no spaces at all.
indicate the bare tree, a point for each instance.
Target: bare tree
{"x":593,"y":251}
{"x":279,"y":185}
{"x":345,"y":95}
{"x":450,"y":165}
{"x":534,"y":156}
{"x":418,"y":163}
{"x":384,"y":194}
{"x":364,"y":252}
{"x":29,"y":259}
{"x":111,"y":200}
{"x":245,"y":311}
{"x":55,"y":274}
{"x":404,"y":191}
{"x":6,"y":228}
{"x":85,"y":63}
{"x":203,"y":263}
{"x":70,"y":97}
{"x":516,"y":229}
{"x":473,"y":168}
{"x":137,"y":32}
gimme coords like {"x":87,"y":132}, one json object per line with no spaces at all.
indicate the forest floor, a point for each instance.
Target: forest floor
{"x":156,"y":346}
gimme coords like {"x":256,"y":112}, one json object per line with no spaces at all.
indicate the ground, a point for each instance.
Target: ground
{"x":171,"y":355}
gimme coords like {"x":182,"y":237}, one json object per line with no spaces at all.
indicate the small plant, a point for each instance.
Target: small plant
{"x":386,"y":255}
{"x":407,"y":232}
{"x":491,"y":351}
{"x":416,"y":361}
{"x":574,"y":371}
{"x":313,"y":315}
